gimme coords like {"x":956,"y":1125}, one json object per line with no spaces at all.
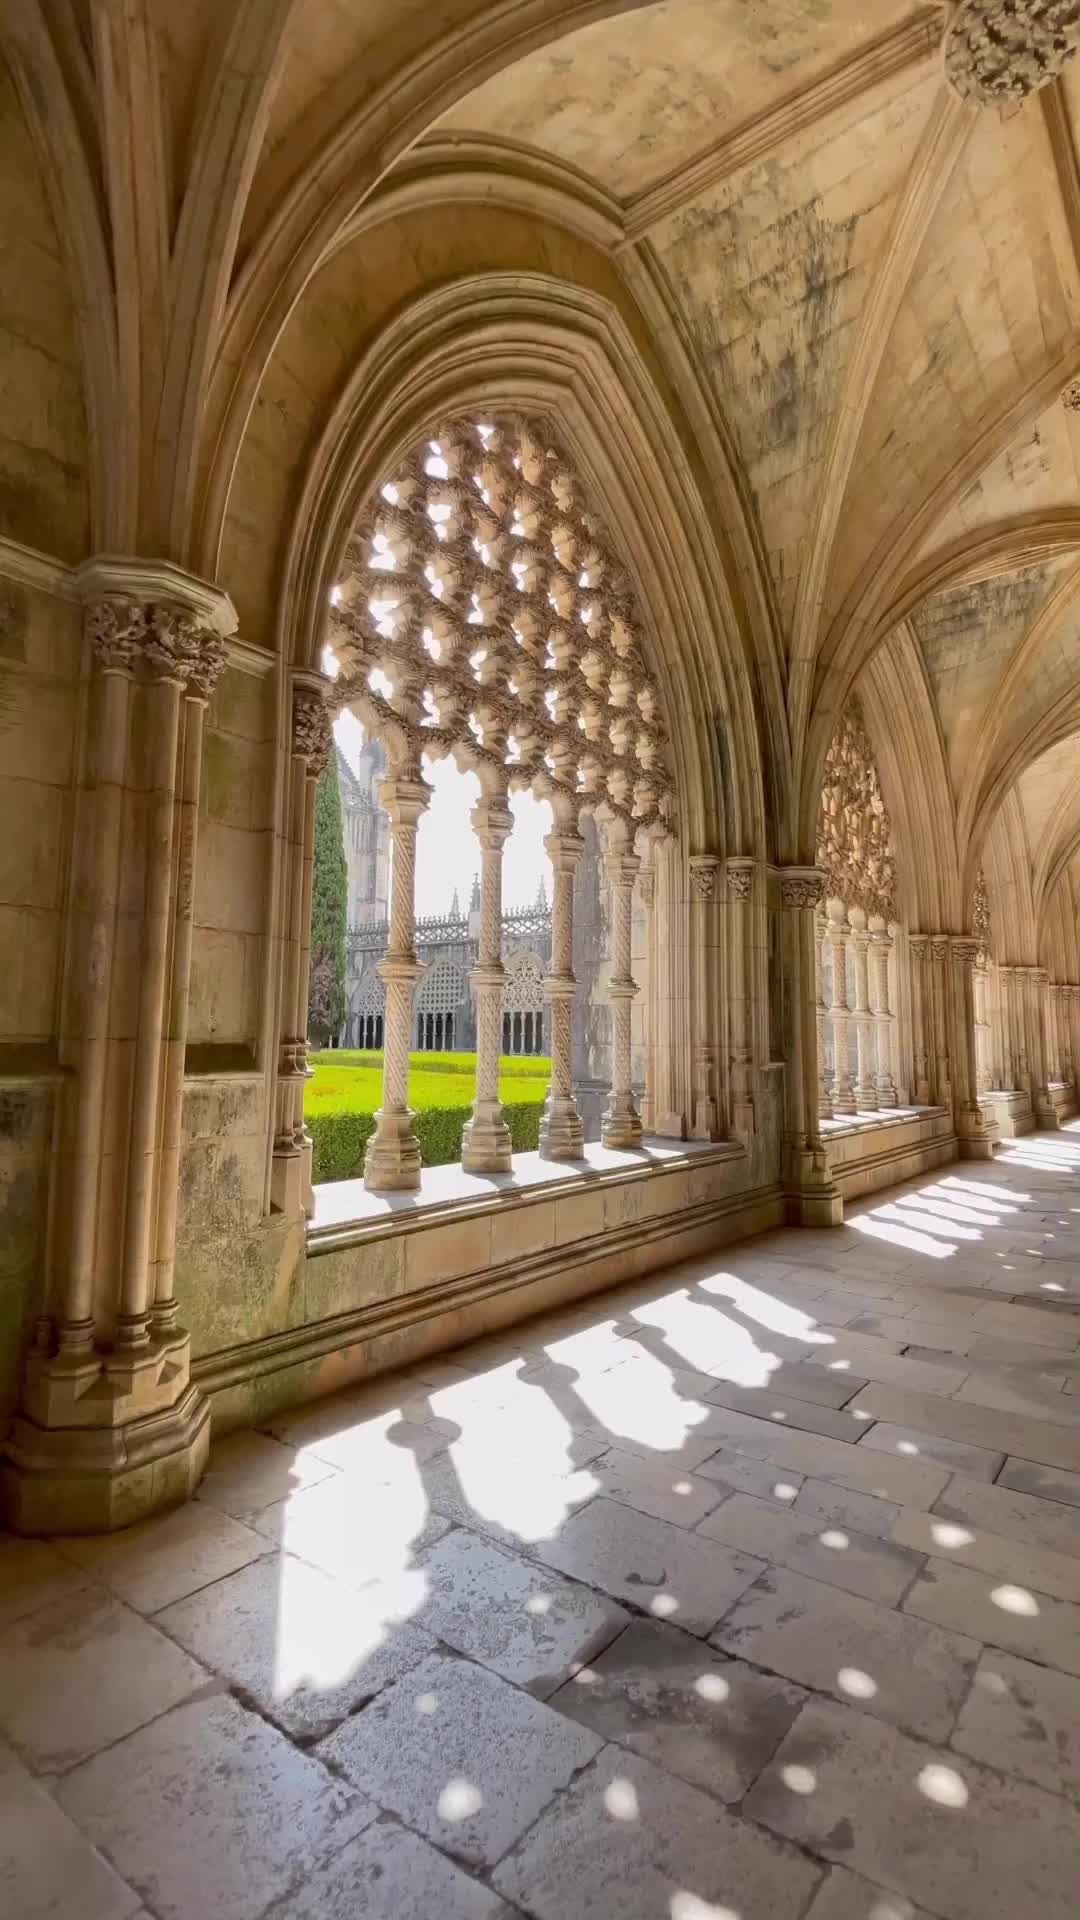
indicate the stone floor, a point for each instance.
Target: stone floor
{"x":748,"y":1593}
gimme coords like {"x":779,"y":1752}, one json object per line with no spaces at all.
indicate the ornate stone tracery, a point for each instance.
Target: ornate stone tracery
{"x":854,"y":844}
{"x":998,"y":51}
{"x":980,"y":918}
{"x":484,"y":615}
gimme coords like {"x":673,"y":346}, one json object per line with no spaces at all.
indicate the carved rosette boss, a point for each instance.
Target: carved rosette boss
{"x":997,"y":52}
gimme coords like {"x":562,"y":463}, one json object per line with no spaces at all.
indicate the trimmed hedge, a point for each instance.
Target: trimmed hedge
{"x":342,"y":1095}
{"x":340,"y":1139}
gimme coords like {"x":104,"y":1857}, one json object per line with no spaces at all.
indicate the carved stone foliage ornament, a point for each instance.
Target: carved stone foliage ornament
{"x":1000,"y":51}
{"x":483,"y":615}
{"x":854,"y":840}
{"x":980,"y":916}
{"x":170,"y":639}
{"x":703,"y":868}
{"x":801,"y":888}
{"x":740,"y":882}
{"x":1070,"y":398}
{"x":311,"y":731}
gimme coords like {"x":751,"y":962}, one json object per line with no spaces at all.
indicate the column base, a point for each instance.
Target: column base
{"x":94,"y":1479}
{"x":810,"y":1197}
{"x":562,"y":1136}
{"x":287,"y":1181}
{"x":392,"y":1162}
{"x":486,"y":1144}
{"x":1046,"y":1117}
{"x":621,"y":1125}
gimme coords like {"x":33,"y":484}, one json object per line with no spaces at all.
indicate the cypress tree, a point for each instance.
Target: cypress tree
{"x":329,"y":911}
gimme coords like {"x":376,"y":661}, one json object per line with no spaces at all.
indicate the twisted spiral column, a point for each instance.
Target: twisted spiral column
{"x":486,"y":1145}
{"x":562,"y":1136}
{"x":622,"y":1123}
{"x":392,"y":1161}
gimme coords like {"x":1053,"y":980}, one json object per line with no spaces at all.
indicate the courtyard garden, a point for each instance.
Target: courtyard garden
{"x":346,"y":1088}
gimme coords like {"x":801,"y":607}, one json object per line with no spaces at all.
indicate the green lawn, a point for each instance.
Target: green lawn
{"x":346,"y":1087}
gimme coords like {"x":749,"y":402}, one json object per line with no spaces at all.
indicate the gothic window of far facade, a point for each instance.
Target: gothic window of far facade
{"x":523,"y":1005}
{"x":482,"y":615}
{"x":439,"y":1004}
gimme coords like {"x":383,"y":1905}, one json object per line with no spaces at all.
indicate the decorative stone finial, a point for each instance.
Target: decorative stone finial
{"x":1000,"y":51}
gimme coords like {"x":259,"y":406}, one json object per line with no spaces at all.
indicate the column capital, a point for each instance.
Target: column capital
{"x":801,"y":887}
{"x":492,"y":822}
{"x":704,"y":868}
{"x":739,"y":876}
{"x":622,"y":868}
{"x":564,"y":849}
{"x":965,"y":950}
{"x":312,"y":734}
{"x":646,"y":885}
{"x":405,"y":801}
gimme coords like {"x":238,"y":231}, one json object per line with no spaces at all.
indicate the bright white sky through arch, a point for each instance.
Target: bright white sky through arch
{"x":447,"y":855}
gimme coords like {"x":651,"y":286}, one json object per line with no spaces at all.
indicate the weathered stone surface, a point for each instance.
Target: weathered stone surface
{"x":272,"y":1815}
{"x":859,"y":1562}
{"x":1023,"y":1720}
{"x":910,"y":1443}
{"x":942,"y":1830}
{"x":1050,"y":1483}
{"x":306,"y":1649}
{"x":912,"y":1675}
{"x":654,"y":1488}
{"x":461,"y":1756}
{"x":47,"y":1867}
{"x":388,"y":1873}
{"x":630,"y":1843}
{"x":711,"y":1721}
{"x":82,"y":1672}
{"x":163,"y":1560}
{"x":847,"y":1896}
{"x":1000,"y":1612}
{"x":672,"y":1574}
{"x":512,"y":1615}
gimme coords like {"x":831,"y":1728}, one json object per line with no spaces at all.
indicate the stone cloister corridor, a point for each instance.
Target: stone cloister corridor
{"x":749,"y":1590}
{"x":541,"y":537}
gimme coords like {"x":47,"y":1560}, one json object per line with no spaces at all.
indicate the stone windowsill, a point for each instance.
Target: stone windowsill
{"x":850,"y":1123}
{"x":345,"y":1211}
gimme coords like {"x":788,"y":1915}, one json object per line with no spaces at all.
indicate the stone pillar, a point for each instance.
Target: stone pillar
{"x":971,"y":1127}
{"x":562,"y":1136}
{"x":884,"y":1016}
{"x":310,"y":741}
{"x":486,"y":1144}
{"x":621,"y":1124}
{"x":739,"y":875}
{"x":866,"y":1098}
{"x":1038,"y":997}
{"x":110,"y":1426}
{"x":939,"y":1024}
{"x":704,"y":868}
{"x":918,"y":946}
{"x":811,"y":1197}
{"x":821,"y":1011}
{"x":647,"y":895}
{"x":982,"y":1031}
{"x":843,"y":1089}
{"x":392,"y":1160}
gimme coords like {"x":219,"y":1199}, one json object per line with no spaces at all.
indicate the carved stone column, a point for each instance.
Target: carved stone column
{"x":739,"y":876}
{"x":562,"y":1136}
{"x":1038,"y":1048}
{"x":392,"y":1160}
{"x":110,"y":1426}
{"x":704,"y":871}
{"x":843,"y":1089}
{"x":621,"y":1124}
{"x":646,"y":884}
{"x":881,"y":947}
{"x":974,"y":1136}
{"x":821,"y":1010}
{"x":486,"y":1145}
{"x":939,"y":997}
{"x":918,"y":948}
{"x":310,"y":742}
{"x":812,"y":1199}
{"x":866,"y":1097}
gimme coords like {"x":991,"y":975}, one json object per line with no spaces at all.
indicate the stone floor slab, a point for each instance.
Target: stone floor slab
{"x":911,"y":1443}
{"x":831,"y":1506}
{"x":1049,"y":1483}
{"x":949,"y":1834}
{"x":305,"y":1647}
{"x":32,"y":1574}
{"x":1052,"y":1444}
{"x":169,"y":1557}
{"x":653,"y":1488}
{"x":356,"y":1532}
{"x":847,"y":1896}
{"x":1001,"y":1613}
{"x":661,"y":1569}
{"x":1056,"y":1574}
{"x":629,"y":1843}
{"x":513,"y":1615}
{"x":1025,"y":1720}
{"x":761,"y":1403}
{"x":388,"y":1873}
{"x":460,"y":1756}
{"x":211,"y":1813}
{"x":861,"y":1563}
{"x":739,"y":1473}
{"x":83,"y":1672}
{"x":712,"y":1721}
{"x":898,"y":1477}
{"x":891,"y":1666}
{"x":1005,"y":1509}
{"x":48,"y":1871}
{"x":251,"y":1470}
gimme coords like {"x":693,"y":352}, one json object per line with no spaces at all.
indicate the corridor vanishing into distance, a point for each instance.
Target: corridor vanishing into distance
{"x":750,"y":1591}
